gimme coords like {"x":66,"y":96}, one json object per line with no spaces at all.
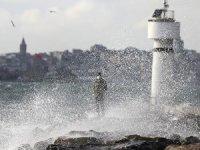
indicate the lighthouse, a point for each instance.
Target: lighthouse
{"x":164,"y":30}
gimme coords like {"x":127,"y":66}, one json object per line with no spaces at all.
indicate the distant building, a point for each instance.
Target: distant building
{"x":57,"y":55}
{"x":22,"y":55}
{"x":77,"y":51}
{"x":23,"y":47}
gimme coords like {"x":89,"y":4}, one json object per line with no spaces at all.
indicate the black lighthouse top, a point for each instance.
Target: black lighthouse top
{"x":163,"y":14}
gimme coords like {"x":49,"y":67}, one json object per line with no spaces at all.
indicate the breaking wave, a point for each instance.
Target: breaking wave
{"x":38,"y":111}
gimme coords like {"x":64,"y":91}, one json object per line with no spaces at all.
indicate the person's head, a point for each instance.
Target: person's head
{"x":99,"y":75}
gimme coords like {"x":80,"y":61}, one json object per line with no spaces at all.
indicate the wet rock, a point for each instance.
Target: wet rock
{"x":149,"y":139}
{"x":138,"y":138}
{"x":93,"y":140}
{"x":42,"y":145}
{"x":59,"y":147}
{"x":25,"y":147}
{"x":56,"y":147}
{"x":143,"y":143}
{"x":175,"y":137}
{"x":126,"y":146}
{"x":191,"y":140}
{"x":78,"y":142}
{"x":184,"y":147}
{"x":90,"y":133}
{"x":129,"y":142}
{"x":172,"y":147}
{"x":121,"y":141}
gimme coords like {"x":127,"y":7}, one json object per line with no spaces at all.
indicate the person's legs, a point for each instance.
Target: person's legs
{"x":98,"y":105}
{"x":102,"y":108}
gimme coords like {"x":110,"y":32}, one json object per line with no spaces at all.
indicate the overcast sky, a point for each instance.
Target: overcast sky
{"x":82,"y":23}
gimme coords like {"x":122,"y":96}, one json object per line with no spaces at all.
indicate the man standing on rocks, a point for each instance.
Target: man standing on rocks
{"x":99,"y":88}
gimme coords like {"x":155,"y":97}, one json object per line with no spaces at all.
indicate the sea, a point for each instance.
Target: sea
{"x":34,"y":111}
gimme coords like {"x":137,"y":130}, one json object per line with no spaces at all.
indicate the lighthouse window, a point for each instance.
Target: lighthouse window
{"x":157,"y":13}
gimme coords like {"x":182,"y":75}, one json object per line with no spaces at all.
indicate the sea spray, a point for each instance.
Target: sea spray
{"x":48,"y":110}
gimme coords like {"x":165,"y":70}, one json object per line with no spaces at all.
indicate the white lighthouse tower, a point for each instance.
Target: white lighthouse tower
{"x":164,"y":30}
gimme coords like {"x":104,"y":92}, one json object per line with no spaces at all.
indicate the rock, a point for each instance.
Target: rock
{"x":191,"y":140}
{"x":121,"y":141}
{"x":175,"y":137}
{"x":184,"y":147}
{"x":77,"y":142}
{"x":149,"y":139}
{"x":42,"y":145}
{"x":135,"y":142}
{"x":25,"y":147}
{"x":143,"y":143}
{"x":139,"y":138}
{"x":90,"y":133}
{"x":57,"y":147}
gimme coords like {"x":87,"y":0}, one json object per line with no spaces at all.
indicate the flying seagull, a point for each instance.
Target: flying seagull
{"x":13,"y":24}
{"x":52,"y":11}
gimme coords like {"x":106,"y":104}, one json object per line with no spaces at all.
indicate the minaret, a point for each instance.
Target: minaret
{"x":163,"y":30}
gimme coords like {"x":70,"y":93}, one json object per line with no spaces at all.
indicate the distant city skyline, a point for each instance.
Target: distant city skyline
{"x":54,"y":25}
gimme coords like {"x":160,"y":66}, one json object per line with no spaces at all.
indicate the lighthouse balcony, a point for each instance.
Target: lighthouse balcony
{"x":161,"y":20}
{"x":167,"y":50}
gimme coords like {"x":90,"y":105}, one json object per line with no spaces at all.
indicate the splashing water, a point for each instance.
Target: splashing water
{"x":32,"y":112}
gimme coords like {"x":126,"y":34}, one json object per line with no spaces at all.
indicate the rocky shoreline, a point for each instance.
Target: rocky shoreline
{"x":92,"y":140}
{"x":163,"y":139}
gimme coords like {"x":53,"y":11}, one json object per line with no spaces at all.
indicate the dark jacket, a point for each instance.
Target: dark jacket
{"x":99,"y":87}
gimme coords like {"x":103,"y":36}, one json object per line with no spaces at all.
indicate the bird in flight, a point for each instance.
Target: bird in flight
{"x":52,"y":11}
{"x":13,"y":24}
